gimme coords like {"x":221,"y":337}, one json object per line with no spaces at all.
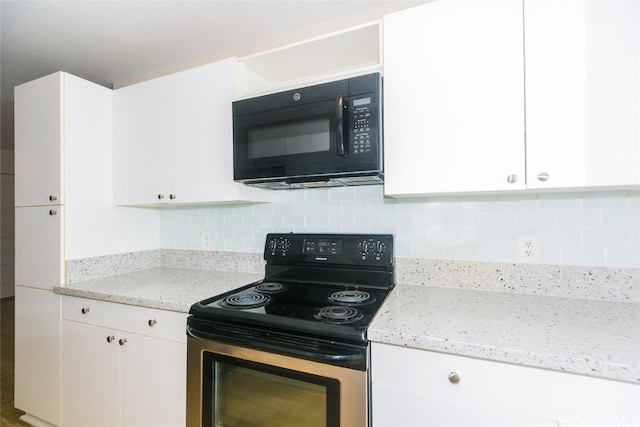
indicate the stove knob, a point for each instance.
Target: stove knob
{"x":364,"y":247}
{"x":379,"y":248}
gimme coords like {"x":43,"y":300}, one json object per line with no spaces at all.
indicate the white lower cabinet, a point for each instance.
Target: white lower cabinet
{"x":412,"y":388}
{"x":122,"y":365}
{"x":37,"y":354}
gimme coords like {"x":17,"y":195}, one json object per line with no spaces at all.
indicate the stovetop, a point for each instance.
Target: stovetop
{"x":316,"y":285}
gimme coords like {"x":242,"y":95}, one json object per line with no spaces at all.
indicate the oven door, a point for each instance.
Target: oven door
{"x":229,"y":385}
{"x":293,"y":142}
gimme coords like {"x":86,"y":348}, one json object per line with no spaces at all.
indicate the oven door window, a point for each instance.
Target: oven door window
{"x":242,"y":393}
{"x":303,"y":140}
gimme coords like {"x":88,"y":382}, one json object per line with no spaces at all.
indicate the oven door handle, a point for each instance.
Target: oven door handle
{"x":349,"y":355}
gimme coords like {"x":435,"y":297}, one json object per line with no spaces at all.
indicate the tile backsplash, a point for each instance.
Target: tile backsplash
{"x":591,"y":228}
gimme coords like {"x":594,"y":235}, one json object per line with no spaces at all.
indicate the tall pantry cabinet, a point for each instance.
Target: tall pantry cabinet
{"x":56,"y":117}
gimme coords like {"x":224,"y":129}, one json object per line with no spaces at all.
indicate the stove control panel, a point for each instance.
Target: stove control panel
{"x":342,"y":249}
{"x":322,"y":247}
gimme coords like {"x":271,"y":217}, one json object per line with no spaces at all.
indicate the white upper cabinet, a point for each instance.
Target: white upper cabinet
{"x":582,"y":93}
{"x":140,"y":155}
{"x":39,"y":142}
{"x":454,"y":98}
{"x":173,"y":139}
{"x":62,"y":143}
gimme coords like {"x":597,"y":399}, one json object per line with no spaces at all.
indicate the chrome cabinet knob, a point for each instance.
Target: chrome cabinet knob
{"x":511,"y":179}
{"x":53,"y":198}
{"x":53,"y":212}
{"x":172,"y":196}
{"x":152,"y":322}
{"x":122,"y":341}
{"x":110,"y":338}
{"x":543,"y":176}
{"x":85,"y":310}
{"x":160,"y":196}
{"x":454,"y":378}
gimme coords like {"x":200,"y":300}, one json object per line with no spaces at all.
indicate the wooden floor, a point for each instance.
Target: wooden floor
{"x":8,"y":414}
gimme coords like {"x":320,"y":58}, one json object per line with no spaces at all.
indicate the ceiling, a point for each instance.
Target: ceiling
{"x":114,"y":43}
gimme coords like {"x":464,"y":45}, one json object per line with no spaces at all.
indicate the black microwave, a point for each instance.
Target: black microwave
{"x":328,"y":134}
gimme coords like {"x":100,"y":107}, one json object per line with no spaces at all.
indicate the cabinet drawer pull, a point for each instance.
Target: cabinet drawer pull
{"x":122,"y":341}
{"x":172,"y":196}
{"x":454,"y":378}
{"x":543,"y":176}
{"x":110,"y":338}
{"x":160,"y":196}
{"x":152,"y":322}
{"x":53,"y":212}
{"x":53,"y":198}
{"x":512,"y":179}
{"x":85,"y":310}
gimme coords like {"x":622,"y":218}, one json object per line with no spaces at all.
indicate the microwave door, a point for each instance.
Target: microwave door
{"x":300,"y":141}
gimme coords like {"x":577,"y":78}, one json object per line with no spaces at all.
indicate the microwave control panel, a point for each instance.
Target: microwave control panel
{"x":363,"y":128}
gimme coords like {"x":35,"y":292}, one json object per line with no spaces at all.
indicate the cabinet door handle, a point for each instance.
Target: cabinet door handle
{"x":85,"y":310}
{"x":160,"y":196}
{"x":512,"y":179}
{"x":152,"y":322}
{"x":122,"y":341}
{"x":53,"y":212}
{"x":454,"y":378}
{"x":172,"y":196}
{"x":53,"y":198}
{"x":110,"y":338}
{"x":543,"y":176}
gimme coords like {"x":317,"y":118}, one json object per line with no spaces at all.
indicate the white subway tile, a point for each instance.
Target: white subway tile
{"x":584,"y":229}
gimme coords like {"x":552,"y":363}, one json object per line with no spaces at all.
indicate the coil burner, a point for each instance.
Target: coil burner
{"x":269,"y":287}
{"x":338,"y":314}
{"x":351,"y":297}
{"x":245,"y":300}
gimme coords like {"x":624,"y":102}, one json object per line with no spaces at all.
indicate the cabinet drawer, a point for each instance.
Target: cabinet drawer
{"x":163,"y":324}
{"x":536,"y":392}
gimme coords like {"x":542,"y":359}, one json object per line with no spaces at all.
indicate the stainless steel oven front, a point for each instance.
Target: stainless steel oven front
{"x":232,"y":385}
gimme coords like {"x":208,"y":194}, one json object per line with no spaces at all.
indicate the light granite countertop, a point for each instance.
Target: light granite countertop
{"x":164,"y":288}
{"x":593,"y":337}
{"x":583,"y":336}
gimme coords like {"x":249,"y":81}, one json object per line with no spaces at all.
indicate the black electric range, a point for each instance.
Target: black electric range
{"x":319,"y":294}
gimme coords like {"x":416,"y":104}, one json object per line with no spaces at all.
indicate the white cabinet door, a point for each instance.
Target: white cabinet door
{"x":39,"y":246}
{"x":90,"y":376}
{"x":582,"y":93}
{"x":37,"y":353}
{"x":39,"y":135}
{"x":200,"y":134}
{"x":395,"y":406}
{"x":454,"y":98}
{"x":153,"y":382}
{"x":140,"y":144}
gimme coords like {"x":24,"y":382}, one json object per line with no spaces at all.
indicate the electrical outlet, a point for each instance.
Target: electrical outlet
{"x":527,"y":247}
{"x":205,"y":240}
